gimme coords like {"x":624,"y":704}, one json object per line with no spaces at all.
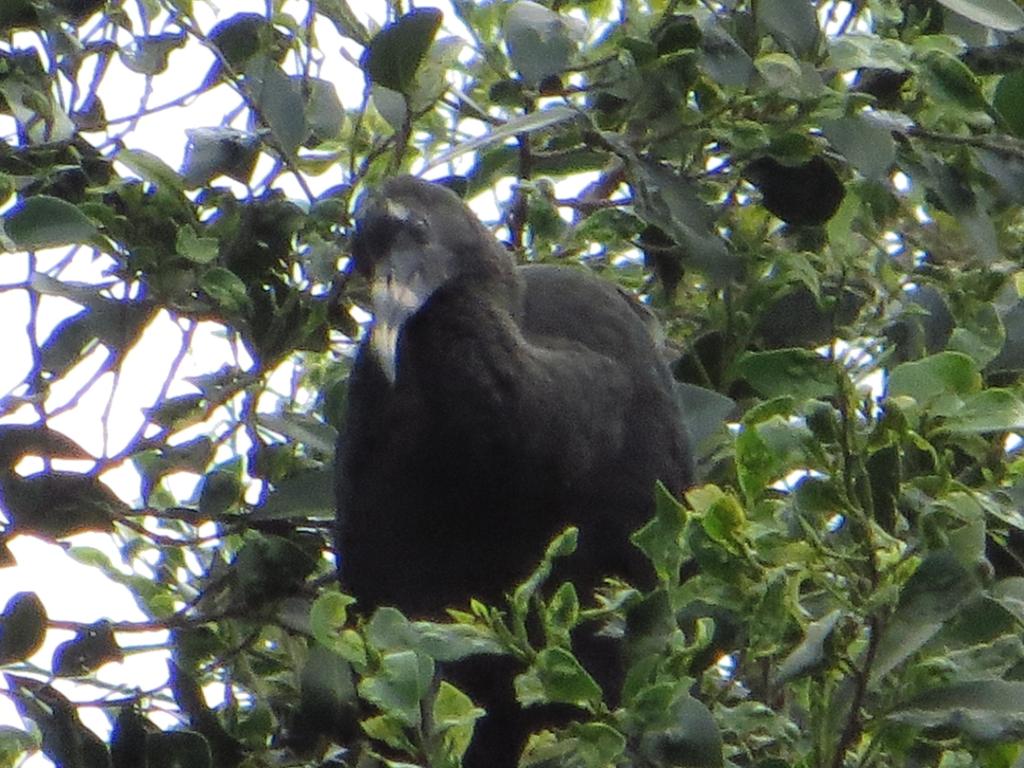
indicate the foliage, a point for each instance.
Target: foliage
{"x":827,"y":199}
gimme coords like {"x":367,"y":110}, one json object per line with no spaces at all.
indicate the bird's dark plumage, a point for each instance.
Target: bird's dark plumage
{"x":490,"y":407}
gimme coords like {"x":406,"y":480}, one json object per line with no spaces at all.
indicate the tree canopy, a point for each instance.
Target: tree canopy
{"x":823,"y":202}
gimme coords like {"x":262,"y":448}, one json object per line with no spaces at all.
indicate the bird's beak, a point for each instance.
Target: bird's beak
{"x":399,"y":286}
{"x":399,"y":290}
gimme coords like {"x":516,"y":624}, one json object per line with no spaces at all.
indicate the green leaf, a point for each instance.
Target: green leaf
{"x":934,"y":594}
{"x":432,"y":76}
{"x":92,"y":647}
{"x":790,"y":21}
{"x":128,"y":738}
{"x":70,"y":340}
{"x":706,"y":411}
{"x":1009,"y":100}
{"x":6,"y":187}
{"x":660,"y":539}
{"x":211,"y":152}
{"x":324,"y":111}
{"x":177,"y":412}
{"x":865,"y":142}
{"x":92,"y":557}
{"x":781,"y":407}
{"x":150,"y":168}
{"x":562,"y":613}
{"x":392,"y":106}
{"x":984,"y":710}
{"x":1004,"y":15}
{"x":20,"y":440}
{"x":57,"y":504}
{"x":451,"y":642}
{"x":279,"y":101}
{"x":961,"y":202}
{"x":858,"y":51}
{"x":562,"y":545}
{"x":327,"y":687}
{"x":301,"y":428}
{"x":780,"y":71}
{"x":538,"y":40}
{"x":926,"y":325}
{"x":219,"y":491}
{"x":1009,"y":593}
{"x":454,"y":715}
{"x":17,"y":13}
{"x":990,"y":659}
{"x":723,"y":58}
{"x":344,"y":19}
{"x":390,"y":630}
{"x":564,"y":680}
{"x":65,"y":740}
{"x":941,"y":374}
{"x":390,"y":730}
{"x":396,"y":52}
{"x":1006,"y":170}
{"x":695,"y":742}
{"x":757,"y":465}
{"x":950,"y":78}
{"x":308,"y":494}
{"x":22,"y":627}
{"x":200,"y":250}
{"x":523,"y":124}
{"x":993,"y":410}
{"x":811,"y":653}
{"x":725,"y":522}
{"x":14,"y":742}
{"x":796,"y":372}
{"x":767,"y":451}
{"x":327,"y":619}
{"x":46,"y":222}
{"x":269,"y":565}
{"x":178,"y":749}
{"x":403,"y":679}
{"x":672,"y":202}
{"x":148,"y":55}
{"x":600,"y":744}
{"x":328,"y":614}
{"x":226,"y":288}
{"x":241,"y":37}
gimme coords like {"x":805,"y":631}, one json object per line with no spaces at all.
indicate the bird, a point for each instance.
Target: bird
{"x":489,"y":407}
{"x":806,"y":194}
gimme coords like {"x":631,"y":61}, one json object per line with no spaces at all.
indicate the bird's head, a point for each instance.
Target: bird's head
{"x":411,"y":238}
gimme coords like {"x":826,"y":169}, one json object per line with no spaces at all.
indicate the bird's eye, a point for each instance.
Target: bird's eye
{"x":419,"y":228}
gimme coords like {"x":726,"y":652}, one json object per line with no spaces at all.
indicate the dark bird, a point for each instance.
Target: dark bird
{"x":806,"y":195}
{"x":490,"y":406}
